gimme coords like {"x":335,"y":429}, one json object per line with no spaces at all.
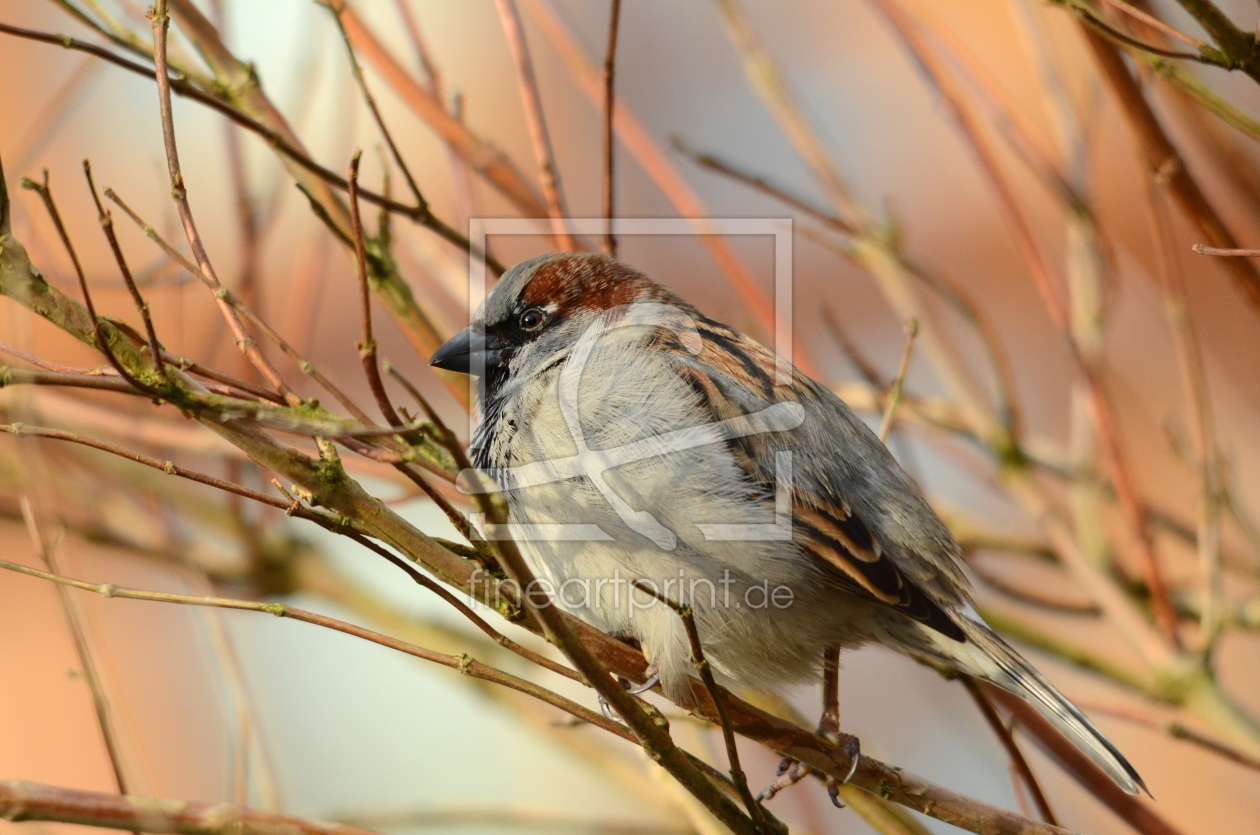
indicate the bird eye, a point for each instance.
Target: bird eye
{"x":532,"y":320}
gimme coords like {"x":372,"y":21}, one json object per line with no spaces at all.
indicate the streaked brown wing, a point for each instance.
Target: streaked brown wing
{"x":843,"y":542}
{"x":735,"y":375}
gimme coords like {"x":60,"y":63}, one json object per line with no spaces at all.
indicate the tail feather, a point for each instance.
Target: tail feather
{"x":987,"y":656}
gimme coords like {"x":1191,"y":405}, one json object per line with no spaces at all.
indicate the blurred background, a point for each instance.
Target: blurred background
{"x":235,"y":707}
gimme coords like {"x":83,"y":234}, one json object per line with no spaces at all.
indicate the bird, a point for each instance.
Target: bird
{"x":642,"y":444}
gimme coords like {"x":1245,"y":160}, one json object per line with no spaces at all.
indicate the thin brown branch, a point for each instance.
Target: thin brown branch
{"x":49,"y":365}
{"x":1130,"y":502}
{"x":427,"y":64}
{"x":761,"y":184}
{"x":1227,"y":253}
{"x":100,"y":701}
{"x":10,"y":376}
{"x":102,"y":338}
{"x":1111,"y":33}
{"x":447,"y":439}
{"x":421,"y":204}
{"x":1155,"y":23}
{"x":107,"y":225}
{"x":458,"y":520}
{"x":23,"y":801}
{"x":161,"y":26}
{"x":849,"y":348}
{"x":484,"y":158}
{"x":228,"y":299}
{"x":610,"y":67}
{"x":219,"y":377}
{"x":1018,"y":762}
{"x":647,"y":152}
{"x":1100,"y":410}
{"x":898,"y":383}
{"x":25,"y":430}
{"x":1131,"y":809}
{"x":1207,"y":459}
{"x":444,"y":433}
{"x":536,"y":122}
{"x":463,"y":663}
{"x":1165,"y":164}
{"x":687,"y":616}
{"x":367,"y":346}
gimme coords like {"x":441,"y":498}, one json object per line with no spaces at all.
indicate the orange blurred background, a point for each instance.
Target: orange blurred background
{"x":335,"y":727}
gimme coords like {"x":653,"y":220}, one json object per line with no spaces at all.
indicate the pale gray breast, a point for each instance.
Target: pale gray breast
{"x":629,"y":421}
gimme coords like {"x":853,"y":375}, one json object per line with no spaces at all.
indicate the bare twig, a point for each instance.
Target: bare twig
{"x":1155,"y":23}
{"x":1164,"y":162}
{"x":687,"y":616}
{"x":351,"y":182}
{"x":228,"y":299}
{"x":894,"y":391}
{"x":686,"y":202}
{"x":367,"y":346}
{"x":1132,"y":810}
{"x":610,"y":66}
{"x":161,"y":25}
{"x":484,"y":158}
{"x":10,"y":376}
{"x":464,"y":664}
{"x":536,"y":121}
{"x":102,"y":337}
{"x":763,"y":185}
{"x":1111,"y":33}
{"x":275,"y":138}
{"x":850,"y":350}
{"x":100,"y":702}
{"x":22,"y":801}
{"x":1018,"y":762}
{"x":1202,"y":425}
{"x":218,"y":376}
{"x":107,"y":224}
{"x":1227,"y":253}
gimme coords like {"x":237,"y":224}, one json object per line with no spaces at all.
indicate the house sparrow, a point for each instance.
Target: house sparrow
{"x":640,"y":441}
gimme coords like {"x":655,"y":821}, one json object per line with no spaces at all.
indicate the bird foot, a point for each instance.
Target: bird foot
{"x":653,"y":678}
{"x":791,"y":772}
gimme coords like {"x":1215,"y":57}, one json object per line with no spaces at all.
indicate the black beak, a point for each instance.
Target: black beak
{"x":468,"y":352}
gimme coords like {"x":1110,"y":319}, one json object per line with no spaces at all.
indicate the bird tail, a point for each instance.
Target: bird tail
{"x":987,"y":656}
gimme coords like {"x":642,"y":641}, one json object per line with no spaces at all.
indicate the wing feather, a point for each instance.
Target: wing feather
{"x":734,"y":375}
